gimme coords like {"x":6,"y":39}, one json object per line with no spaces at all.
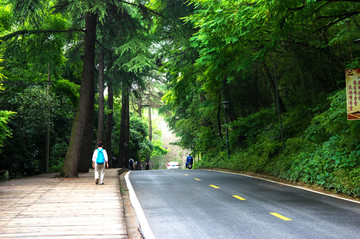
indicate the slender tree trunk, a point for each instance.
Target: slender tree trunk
{"x":219,"y":117}
{"x":101,"y":115}
{"x":78,"y":155}
{"x":109,"y":122}
{"x":119,"y":160}
{"x":279,"y":102}
{"x":47,"y":133}
{"x":256,"y":89}
{"x":140,"y":105}
{"x":148,"y":157}
{"x":127,"y":130}
{"x":150,"y":125}
{"x":124,"y":138}
{"x":278,"y":107}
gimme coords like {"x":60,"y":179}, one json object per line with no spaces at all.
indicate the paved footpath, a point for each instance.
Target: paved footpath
{"x":48,"y":207}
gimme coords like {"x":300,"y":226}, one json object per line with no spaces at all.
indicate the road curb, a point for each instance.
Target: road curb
{"x":131,"y":220}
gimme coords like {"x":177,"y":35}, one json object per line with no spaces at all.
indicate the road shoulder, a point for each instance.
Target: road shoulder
{"x":132,"y":223}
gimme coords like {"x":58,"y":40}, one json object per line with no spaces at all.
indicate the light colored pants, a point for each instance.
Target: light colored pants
{"x":100,"y":169}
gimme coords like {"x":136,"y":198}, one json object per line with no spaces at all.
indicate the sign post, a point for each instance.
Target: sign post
{"x":352,"y":77}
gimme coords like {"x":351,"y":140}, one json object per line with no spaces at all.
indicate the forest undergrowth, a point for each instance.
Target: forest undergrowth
{"x":324,"y":154}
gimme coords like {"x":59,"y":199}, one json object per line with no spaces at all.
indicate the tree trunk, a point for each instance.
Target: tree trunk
{"x":127,"y":131}
{"x":78,"y":155}
{"x":109,"y":122}
{"x":122,"y":161}
{"x":150,"y":125}
{"x":278,"y":101}
{"x":256,"y":89}
{"x":219,"y":118}
{"x":47,"y":133}
{"x":119,"y":160}
{"x":100,"y":128}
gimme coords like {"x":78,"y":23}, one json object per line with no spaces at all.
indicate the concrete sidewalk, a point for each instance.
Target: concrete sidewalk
{"x":48,"y":207}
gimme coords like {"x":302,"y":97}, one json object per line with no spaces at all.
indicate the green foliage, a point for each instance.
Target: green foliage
{"x":326,"y":154}
{"x":158,"y":149}
{"x":5,"y":117}
{"x":69,"y":89}
{"x":23,"y":152}
{"x":5,"y":18}
{"x":333,"y":161}
{"x":139,"y":141}
{"x":246,"y":130}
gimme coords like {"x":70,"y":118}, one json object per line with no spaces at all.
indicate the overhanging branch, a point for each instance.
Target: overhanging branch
{"x":33,"y":32}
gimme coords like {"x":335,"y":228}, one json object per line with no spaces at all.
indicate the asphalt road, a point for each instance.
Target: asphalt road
{"x":208,"y":204}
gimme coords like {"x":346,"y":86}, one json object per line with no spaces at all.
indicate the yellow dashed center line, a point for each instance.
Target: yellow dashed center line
{"x":280,"y":216}
{"x":243,"y":199}
{"x":238,"y":197}
{"x":213,"y":186}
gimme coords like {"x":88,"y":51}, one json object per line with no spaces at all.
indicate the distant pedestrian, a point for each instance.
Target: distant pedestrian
{"x":131,"y":164}
{"x":100,"y":161}
{"x":113,"y":161}
{"x":147,"y":166}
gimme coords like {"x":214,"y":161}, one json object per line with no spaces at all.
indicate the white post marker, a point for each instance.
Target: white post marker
{"x":147,"y":233}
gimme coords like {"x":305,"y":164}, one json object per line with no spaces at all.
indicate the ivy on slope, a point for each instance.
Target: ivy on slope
{"x":327,"y":154}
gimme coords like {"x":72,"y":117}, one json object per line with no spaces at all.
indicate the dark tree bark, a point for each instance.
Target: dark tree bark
{"x":278,"y":102}
{"x":127,"y":131}
{"x":219,"y":116}
{"x":101,"y":114}
{"x":47,"y":133}
{"x":109,"y":122}
{"x":150,"y":125}
{"x":256,"y":89}
{"x":78,"y":155}
{"x":123,"y":158}
{"x":119,"y":160}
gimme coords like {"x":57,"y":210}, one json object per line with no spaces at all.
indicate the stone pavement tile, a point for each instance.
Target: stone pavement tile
{"x":48,"y":207}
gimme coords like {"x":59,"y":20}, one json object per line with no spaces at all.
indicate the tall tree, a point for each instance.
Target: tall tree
{"x":124,"y":129}
{"x":78,"y":154}
{"x":101,"y":114}
{"x":109,"y":121}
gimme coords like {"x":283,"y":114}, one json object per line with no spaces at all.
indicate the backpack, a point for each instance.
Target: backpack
{"x":100,"y":159}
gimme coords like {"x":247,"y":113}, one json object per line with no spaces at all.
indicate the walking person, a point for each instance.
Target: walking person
{"x":100,"y":161}
{"x":131,"y":164}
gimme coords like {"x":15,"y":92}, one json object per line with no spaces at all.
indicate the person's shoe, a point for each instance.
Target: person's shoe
{"x":102,"y":183}
{"x":96,"y":181}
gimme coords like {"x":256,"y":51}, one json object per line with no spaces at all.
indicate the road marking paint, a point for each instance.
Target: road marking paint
{"x":280,"y":216}
{"x":287,"y":184}
{"x":238,"y":197}
{"x":213,"y":186}
{"x":186,"y":174}
{"x":197,"y":179}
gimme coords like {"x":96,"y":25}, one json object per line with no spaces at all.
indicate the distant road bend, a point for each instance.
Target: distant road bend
{"x":209,"y":204}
